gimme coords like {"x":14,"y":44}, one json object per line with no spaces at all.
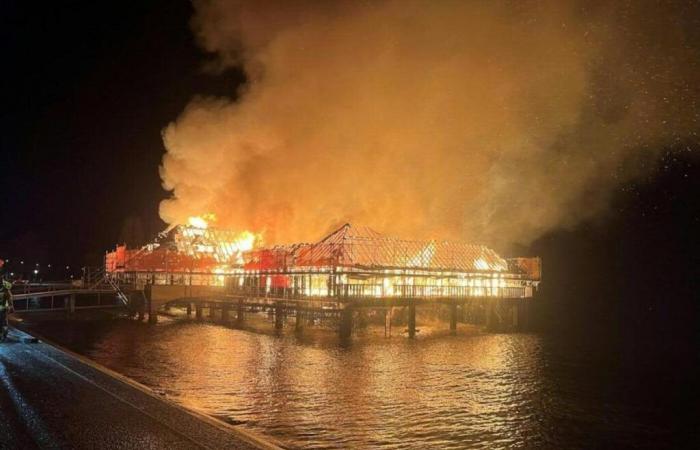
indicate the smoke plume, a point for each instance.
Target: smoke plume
{"x":489,"y":122}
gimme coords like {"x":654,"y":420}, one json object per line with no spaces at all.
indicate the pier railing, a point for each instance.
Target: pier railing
{"x":59,"y":296}
{"x":350,"y":292}
{"x":70,"y":300}
{"x":330,"y":286}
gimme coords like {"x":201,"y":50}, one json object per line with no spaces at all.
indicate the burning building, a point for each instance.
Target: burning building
{"x":351,"y":262}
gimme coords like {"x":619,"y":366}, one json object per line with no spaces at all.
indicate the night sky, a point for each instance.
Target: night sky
{"x":87,"y":90}
{"x":88,"y":87}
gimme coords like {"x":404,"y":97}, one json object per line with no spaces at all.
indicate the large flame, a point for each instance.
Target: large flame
{"x":201,"y":222}
{"x":199,"y":239}
{"x":246,"y":240}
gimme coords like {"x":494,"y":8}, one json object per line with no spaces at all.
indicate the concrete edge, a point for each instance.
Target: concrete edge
{"x":260,"y":441}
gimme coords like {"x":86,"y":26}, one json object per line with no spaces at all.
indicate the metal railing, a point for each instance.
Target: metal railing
{"x":64,"y":300}
{"x":95,"y":290}
{"x":95,"y":278}
{"x":326,"y":285}
{"x":369,"y":291}
{"x":28,"y":288}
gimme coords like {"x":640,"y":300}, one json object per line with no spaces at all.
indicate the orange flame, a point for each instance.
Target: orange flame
{"x":202,"y":222}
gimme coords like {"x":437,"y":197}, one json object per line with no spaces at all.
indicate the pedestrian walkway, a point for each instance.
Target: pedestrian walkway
{"x":53,"y":399}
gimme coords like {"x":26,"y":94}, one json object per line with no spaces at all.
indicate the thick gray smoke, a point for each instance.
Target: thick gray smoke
{"x":488,"y":122}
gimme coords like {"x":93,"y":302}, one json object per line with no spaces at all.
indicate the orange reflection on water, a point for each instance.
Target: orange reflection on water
{"x":438,"y":390}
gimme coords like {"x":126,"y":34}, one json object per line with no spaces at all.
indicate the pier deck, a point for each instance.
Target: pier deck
{"x":50,"y":398}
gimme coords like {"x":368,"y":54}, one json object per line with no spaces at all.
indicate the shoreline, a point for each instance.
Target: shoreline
{"x":71,"y":361}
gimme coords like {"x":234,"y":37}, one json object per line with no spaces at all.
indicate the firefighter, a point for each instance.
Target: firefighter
{"x":5,"y":307}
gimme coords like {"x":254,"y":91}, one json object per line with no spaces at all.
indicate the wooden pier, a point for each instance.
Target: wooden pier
{"x":495,"y":313}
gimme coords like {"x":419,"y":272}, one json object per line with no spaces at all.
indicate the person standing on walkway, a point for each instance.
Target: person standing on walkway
{"x":5,"y":307}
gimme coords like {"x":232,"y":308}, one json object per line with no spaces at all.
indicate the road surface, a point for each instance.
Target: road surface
{"x":53,"y":399}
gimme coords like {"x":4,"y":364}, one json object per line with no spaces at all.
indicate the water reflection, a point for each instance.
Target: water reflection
{"x":467,"y":391}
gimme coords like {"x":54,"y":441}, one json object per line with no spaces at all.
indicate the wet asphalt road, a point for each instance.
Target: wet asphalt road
{"x":50,"y":399}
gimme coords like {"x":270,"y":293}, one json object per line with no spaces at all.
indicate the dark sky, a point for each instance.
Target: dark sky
{"x":88,"y":87}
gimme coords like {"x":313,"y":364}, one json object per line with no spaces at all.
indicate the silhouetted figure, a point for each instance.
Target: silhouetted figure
{"x":5,"y":307}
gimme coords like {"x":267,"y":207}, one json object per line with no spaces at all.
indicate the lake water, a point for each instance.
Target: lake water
{"x":472,"y":390}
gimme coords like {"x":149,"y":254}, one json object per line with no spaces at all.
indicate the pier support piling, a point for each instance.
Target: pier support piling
{"x":239,"y":314}
{"x":152,"y":314}
{"x":225,"y":314}
{"x":198,"y":312}
{"x":453,"y":318}
{"x":490,"y":315}
{"x":189,"y":310}
{"x":138,"y":301}
{"x":279,"y":318}
{"x":412,"y":319}
{"x":346,"y":319}
{"x":387,"y":322}
{"x":299,"y":321}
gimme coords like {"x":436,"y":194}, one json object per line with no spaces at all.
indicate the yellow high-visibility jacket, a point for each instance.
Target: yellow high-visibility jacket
{"x":5,"y":299}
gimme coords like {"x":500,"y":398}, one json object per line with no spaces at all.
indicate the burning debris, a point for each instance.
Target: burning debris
{"x":195,"y":247}
{"x":225,"y":246}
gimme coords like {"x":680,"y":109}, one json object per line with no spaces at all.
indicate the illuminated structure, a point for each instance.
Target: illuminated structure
{"x":350,"y":263}
{"x":357,"y":262}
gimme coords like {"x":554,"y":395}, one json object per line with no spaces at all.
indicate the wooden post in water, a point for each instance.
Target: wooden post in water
{"x":345,"y":328}
{"x":152,"y":314}
{"x":299,"y":321}
{"x":198,"y":311}
{"x":279,"y":318}
{"x":387,"y":322}
{"x":490,"y":316}
{"x":239,"y":314}
{"x":225,"y":313}
{"x":412,"y":318}
{"x":189,"y":310}
{"x":453,"y":317}
{"x":140,"y":299}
